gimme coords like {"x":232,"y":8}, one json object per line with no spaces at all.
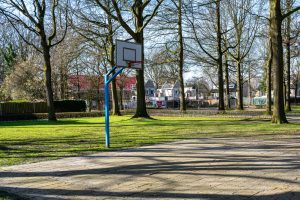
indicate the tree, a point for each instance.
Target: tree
{"x":245,"y":26}
{"x":9,"y":57}
{"x":63,"y":57}
{"x":141,"y":20}
{"x":100,"y":31}
{"x":269,"y":78}
{"x":276,"y":19}
{"x":42,"y":20}
{"x":181,"y":61}
{"x":163,"y":65}
{"x":289,"y":39}
{"x":170,"y":22}
{"x":24,"y":82}
{"x":213,"y":32}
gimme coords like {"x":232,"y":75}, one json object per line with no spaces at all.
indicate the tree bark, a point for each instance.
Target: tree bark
{"x":181,"y":61}
{"x":141,"y":110}
{"x":277,"y":62}
{"x":269,"y":80}
{"x":227,"y":83}
{"x":63,"y":81}
{"x":239,"y":80}
{"x":48,"y":83}
{"x":121,"y":98}
{"x":288,"y":59}
{"x":221,"y":105}
{"x":296,"y":89}
{"x":249,"y":85}
{"x":115,"y":104}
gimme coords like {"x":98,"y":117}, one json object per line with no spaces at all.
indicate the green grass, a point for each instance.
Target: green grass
{"x":31,"y":141}
{"x":8,"y":196}
{"x":295,"y":109}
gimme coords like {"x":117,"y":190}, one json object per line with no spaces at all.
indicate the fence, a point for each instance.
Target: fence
{"x":12,"y":108}
{"x":23,"y":108}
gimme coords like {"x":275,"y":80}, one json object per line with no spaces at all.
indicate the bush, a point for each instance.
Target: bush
{"x":70,"y":106}
{"x":36,"y":116}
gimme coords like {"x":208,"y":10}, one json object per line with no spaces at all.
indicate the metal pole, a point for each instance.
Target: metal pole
{"x":107,"y":80}
{"x":106,"y":106}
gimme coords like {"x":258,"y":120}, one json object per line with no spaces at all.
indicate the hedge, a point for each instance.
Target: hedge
{"x":70,"y":106}
{"x":36,"y":116}
{"x":11,"y":108}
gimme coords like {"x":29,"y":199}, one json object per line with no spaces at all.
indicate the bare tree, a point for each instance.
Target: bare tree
{"x":289,"y":39}
{"x":142,"y":17}
{"x":245,"y":26}
{"x":211,"y":41}
{"x":99,"y":31}
{"x":41,"y":19}
{"x":276,"y":19}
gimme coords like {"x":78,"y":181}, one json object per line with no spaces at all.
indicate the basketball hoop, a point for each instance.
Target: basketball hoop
{"x":135,"y":64}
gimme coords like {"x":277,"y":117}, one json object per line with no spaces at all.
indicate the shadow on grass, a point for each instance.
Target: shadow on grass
{"x":147,"y":122}
{"x":92,"y":139}
{"x":48,"y":123}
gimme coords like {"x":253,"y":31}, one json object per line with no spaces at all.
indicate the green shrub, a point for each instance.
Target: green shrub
{"x":70,"y":106}
{"x":19,"y":101}
{"x":36,"y":116}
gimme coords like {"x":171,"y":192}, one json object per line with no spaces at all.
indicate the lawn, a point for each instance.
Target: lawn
{"x":31,"y":141}
{"x":296,"y":109}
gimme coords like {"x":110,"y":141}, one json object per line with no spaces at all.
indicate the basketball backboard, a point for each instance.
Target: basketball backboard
{"x":128,"y":54}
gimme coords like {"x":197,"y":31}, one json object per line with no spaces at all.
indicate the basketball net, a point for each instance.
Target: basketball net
{"x":132,"y":64}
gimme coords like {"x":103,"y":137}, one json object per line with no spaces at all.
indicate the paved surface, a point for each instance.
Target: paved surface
{"x":220,"y":168}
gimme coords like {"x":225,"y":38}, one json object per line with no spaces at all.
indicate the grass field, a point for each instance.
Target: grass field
{"x":295,"y":109}
{"x":31,"y":141}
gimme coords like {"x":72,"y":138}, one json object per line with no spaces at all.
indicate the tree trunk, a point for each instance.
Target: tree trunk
{"x":115,"y":104}
{"x":288,"y":59}
{"x":121,"y":99}
{"x":62,"y":85}
{"x":63,"y":82}
{"x":277,"y":61}
{"x":239,"y":80}
{"x":78,"y":83}
{"x":48,"y":83}
{"x":221,"y":105}
{"x":269,"y":80}
{"x":249,"y":85}
{"x":141,"y":110}
{"x":181,"y":61}
{"x":296,"y":89}
{"x":227,"y":83}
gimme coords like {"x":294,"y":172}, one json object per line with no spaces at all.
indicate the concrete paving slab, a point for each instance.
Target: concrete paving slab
{"x":212,"y":168}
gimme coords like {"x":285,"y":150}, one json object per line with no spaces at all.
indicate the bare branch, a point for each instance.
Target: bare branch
{"x":290,"y":12}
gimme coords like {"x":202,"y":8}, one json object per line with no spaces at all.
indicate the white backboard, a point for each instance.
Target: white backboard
{"x":128,"y":52}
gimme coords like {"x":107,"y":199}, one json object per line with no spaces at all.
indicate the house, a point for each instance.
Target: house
{"x":190,"y":93}
{"x":91,"y":88}
{"x":150,"y":89}
{"x":172,"y":92}
{"x":232,"y":91}
{"x":169,"y":91}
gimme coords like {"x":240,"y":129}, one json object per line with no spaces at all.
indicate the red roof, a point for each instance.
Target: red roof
{"x":125,"y":82}
{"x":86,"y":82}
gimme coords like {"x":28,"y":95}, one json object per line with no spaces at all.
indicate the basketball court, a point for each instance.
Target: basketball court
{"x":216,"y":168}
